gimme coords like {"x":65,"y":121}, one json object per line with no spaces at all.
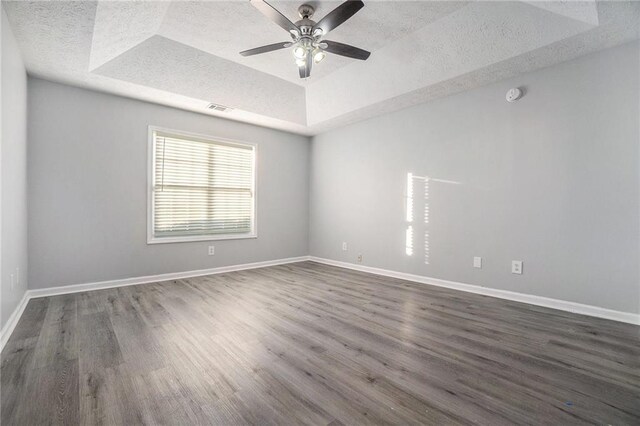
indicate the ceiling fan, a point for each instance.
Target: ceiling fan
{"x":307,"y":35}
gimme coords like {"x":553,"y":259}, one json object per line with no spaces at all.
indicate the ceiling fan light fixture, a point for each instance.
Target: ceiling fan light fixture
{"x":299,"y":52}
{"x":318,"y":55}
{"x":300,"y":62}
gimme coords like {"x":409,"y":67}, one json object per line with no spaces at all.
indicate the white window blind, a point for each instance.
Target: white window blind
{"x":202,"y":189}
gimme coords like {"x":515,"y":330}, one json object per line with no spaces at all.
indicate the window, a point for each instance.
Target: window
{"x":200,"y":188}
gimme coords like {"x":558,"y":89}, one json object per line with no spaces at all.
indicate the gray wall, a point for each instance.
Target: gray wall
{"x":14,"y":175}
{"x":551,"y":180}
{"x":88,"y":189}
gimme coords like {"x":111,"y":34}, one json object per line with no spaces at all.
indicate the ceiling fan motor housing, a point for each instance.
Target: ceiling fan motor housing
{"x":306,"y":26}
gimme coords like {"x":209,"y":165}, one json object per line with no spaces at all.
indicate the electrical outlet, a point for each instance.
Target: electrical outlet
{"x":516,"y":267}
{"x":212,"y":250}
{"x":344,"y":246}
{"x":360,"y":258}
{"x":477,"y":262}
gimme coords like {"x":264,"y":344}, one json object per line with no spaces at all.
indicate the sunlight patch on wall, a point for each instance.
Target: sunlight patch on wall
{"x":409,"y":240}
{"x":426,"y":219}
{"x":409,"y":197}
{"x":410,"y":204}
{"x":426,"y":248}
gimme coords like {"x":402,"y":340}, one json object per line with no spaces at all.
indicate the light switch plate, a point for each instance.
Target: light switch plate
{"x":477,"y":262}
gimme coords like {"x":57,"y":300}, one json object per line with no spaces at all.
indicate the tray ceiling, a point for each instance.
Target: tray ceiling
{"x":185,"y":53}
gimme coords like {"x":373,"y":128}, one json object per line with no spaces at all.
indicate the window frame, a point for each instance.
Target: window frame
{"x":151,"y":164}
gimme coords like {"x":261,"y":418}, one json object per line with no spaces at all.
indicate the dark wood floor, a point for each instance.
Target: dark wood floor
{"x":313,"y":344}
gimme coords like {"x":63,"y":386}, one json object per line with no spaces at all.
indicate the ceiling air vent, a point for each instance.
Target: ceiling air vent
{"x":217,"y":107}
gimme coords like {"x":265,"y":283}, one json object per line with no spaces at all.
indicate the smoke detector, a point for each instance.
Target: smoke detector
{"x":514,"y":94}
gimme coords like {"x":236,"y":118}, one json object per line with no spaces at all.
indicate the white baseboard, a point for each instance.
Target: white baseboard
{"x":8,"y":328}
{"x":562,"y":305}
{"x":77,"y":288}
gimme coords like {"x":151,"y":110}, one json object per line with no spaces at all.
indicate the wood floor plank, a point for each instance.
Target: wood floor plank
{"x":53,"y":395}
{"x":18,"y":359}
{"x":312,"y":344}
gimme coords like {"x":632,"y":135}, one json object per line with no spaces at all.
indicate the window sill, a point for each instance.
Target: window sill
{"x":165,"y":240}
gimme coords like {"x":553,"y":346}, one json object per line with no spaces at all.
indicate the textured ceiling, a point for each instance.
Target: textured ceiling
{"x":185,"y":53}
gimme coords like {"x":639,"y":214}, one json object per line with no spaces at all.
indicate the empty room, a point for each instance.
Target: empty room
{"x":251,"y":212}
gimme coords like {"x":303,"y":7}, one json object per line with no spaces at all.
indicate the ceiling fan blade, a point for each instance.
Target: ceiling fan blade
{"x":338,"y":15}
{"x":346,"y":50}
{"x":273,"y":14}
{"x":265,"y":49}
{"x":305,"y":69}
